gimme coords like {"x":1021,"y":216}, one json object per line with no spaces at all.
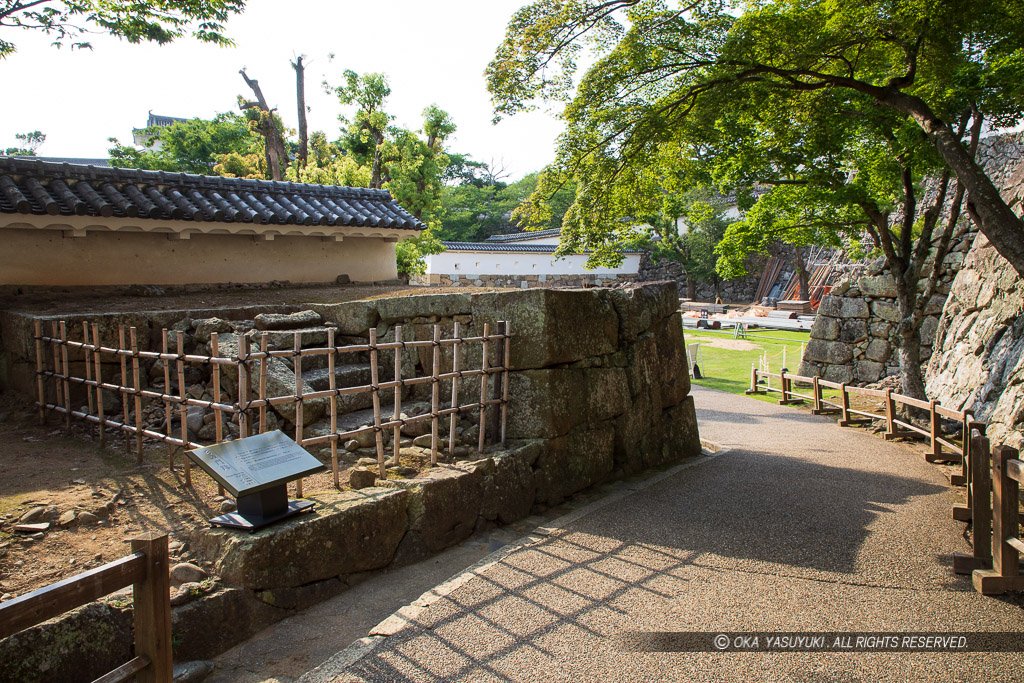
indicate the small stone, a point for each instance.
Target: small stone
{"x":186,"y":572}
{"x":33,"y":515}
{"x":67,"y":519}
{"x":192,"y":672}
{"x":187,"y":592}
{"x":361,"y":478}
{"x":422,"y":441}
{"x":366,"y":462}
{"x":98,"y":557}
{"x":78,"y":481}
{"x":228,"y":506}
{"x":351,"y":445}
{"x":87,"y":518}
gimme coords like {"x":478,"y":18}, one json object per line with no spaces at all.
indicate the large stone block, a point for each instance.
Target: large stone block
{"x":220,"y":621}
{"x":638,"y":433}
{"x":444,"y":504}
{"x":280,"y":381}
{"x":680,"y":436}
{"x":672,"y":375}
{"x":407,"y":308}
{"x":878,"y":350}
{"x":839,"y":373}
{"x":838,"y":353}
{"x":843,"y":307}
{"x":353,"y":318}
{"x":825,"y":328}
{"x":550,"y":403}
{"x":349,"y":532}
{"x":880,"y":286}
{"x":508,"y":490}
{"x":552,"y":326}
{"x":869,"y":370}
{"x":287,"y":321}
{"x":853,"y":331}
{"x":886,"y":311}
{"x":816,"y":351}
{"x":640,"y":308}
{"x":81,"y":645}
{"x":573,"y":462}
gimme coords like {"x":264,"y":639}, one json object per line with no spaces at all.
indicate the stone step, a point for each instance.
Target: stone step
{"x":348,"y":375}
{"x":309,"y":337}
{"x":287,"y":321}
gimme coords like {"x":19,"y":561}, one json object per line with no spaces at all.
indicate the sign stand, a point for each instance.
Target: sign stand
{"x":256,"y":470}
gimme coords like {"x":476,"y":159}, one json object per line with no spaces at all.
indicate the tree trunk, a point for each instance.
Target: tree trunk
{"x":691,"y":287}
{"x":803,"y":287}
{"x":276,"y":154}
{"x":300,"y":96}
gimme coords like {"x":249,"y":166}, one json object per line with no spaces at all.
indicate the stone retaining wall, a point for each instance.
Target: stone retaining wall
{"x":854,"y":338}
{"x":599,"y":389}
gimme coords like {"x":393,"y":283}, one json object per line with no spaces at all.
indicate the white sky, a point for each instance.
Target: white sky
{"x":432,"y":52}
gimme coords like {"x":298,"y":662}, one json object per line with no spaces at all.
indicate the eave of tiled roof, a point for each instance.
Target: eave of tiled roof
{"x":521,"y":236}
{"x":33,"y":186}
{"x":491,"y":248}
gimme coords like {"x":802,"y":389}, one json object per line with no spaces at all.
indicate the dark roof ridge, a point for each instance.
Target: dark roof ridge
{"x":63,"y":170}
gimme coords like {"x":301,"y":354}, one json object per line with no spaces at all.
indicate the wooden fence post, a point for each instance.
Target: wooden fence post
{"x":297,"y":365}
{"x":934,"y":452}
{"x":753,"y":380}
{"x":40,"y":383}
{"x":375,"y":394}
{"x":844,"y":421}
{"x":890,"y":414}
{"x":1005,"y":572}
{"x":152,"y":610}
{"x":435,"y":396}
{"x":136,"y":393}
{"x":396,"y":431}
{"x":506,"y":360}
{"x":454,"y":421}
{"x":978,"y":510}
{"x":65,"y":373}
{"x":99,"y":385}
{"x":483,"y":391}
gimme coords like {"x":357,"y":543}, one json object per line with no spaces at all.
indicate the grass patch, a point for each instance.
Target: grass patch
{"x":727,"y":361}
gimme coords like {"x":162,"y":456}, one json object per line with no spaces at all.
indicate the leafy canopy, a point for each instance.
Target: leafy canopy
{"x":137,"y":21}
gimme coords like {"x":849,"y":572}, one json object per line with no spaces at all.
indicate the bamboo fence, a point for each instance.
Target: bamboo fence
{"x":55,"y":379}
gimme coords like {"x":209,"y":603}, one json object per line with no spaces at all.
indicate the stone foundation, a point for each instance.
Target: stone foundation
{"x":599,"y":389}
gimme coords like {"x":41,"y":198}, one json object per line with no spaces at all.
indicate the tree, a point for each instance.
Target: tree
{"x":300,"y":98}
{"x":263,"y":120}
{"x":193,"y":146}
{"x":842,"y":169}
{"x":159,"y":21}
{"x":366,"y":131}
{"x":926,"y":61}
{"x":692,"y":244}
{"x":414,"y":167}
{"x":30,"y":142}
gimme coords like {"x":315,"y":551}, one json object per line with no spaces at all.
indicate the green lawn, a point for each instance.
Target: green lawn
{"x":728,"y":369}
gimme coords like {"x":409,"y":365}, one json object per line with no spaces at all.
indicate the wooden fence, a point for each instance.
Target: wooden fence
{"x":147,"y":571}
{"x":55,"y":379}
{"x":939,"y":447}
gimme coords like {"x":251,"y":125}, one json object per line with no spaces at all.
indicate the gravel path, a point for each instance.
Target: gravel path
{"x":796,"y":525}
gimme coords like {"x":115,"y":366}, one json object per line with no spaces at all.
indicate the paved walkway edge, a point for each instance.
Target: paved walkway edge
{"x":336,"y":664}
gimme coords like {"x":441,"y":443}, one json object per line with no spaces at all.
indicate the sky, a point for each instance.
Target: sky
{"x":432,"y":52}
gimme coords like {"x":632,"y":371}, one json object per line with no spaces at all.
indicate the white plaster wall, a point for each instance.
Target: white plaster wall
{"x":47,"y":257}
{"x":520,"y":263}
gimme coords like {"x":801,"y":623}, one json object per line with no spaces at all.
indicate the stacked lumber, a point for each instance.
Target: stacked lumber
{"x":798,"y":307}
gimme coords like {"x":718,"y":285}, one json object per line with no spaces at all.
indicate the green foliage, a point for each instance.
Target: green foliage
{"x":409,"y":252}
{"x":666,"y":104}
{"x":693,"y":243}
{"x":137,"y":21}
{"x":194,"y":146}
{"x":30,"y":143}
{"x":329,"y":165}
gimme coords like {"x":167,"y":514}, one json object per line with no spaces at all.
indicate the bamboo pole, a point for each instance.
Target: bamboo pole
{"x":396,"y":435}
{"x":507,"y":356}
{"x":90,"y":388}
{"x":124,"y":383}
{"x":376,"y":401}
{"x":218,"y":416}
{"x":66,"y":372}
{"x":244,"y":386}
{"x":483,"y":391}
{"x":98,"y":361}
{"x":332,"y":383}
{"x":164,"y":346}
{"x":40,"y":381}
{"x":184,"y":409}
{"x":263,"y":381}
{"x":297,"y":364}
{"x":136,"y":387}
{"x":455,"y":394}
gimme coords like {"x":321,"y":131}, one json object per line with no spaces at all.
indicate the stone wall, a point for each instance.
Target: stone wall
{"x":599,"y":389}
{"x":854,"y":337}
{"x":522,"y":281}
{"x":740,"y":290}
{"x":978,"y":361}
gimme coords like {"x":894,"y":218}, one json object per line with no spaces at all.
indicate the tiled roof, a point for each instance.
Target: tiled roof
{"x":160,"y":120}
{"x":492,"y":247}
{"x":521,"y":236}
{"x":32,"y":186}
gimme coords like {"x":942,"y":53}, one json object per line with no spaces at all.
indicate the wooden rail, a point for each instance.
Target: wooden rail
{"x":53,"y":370}
{"x":147,"y":570}
{"x":940,"y":449}
{"x":1007,"y":474}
